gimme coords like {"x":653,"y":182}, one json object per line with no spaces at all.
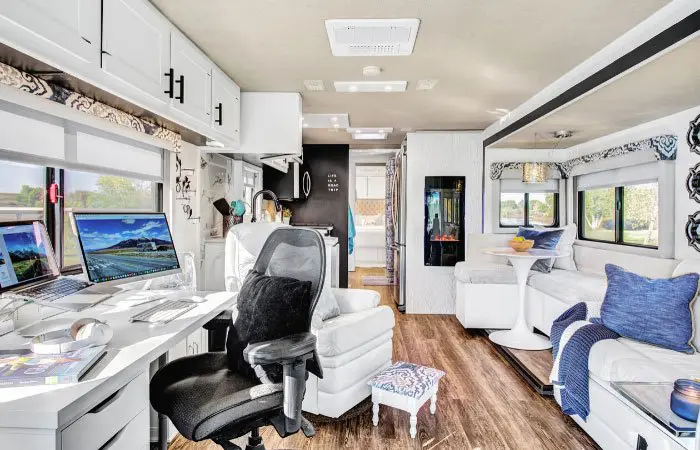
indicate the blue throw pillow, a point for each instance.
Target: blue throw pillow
{"x":656,"y":311}
{"x":544,"y":239}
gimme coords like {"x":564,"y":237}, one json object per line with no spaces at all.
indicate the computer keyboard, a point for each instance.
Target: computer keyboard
{"x":164,"y":312}
{"x":55,"y":289}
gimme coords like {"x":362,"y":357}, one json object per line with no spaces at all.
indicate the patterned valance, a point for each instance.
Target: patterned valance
{"x":664,"y":148}
{"x":34,"y":85}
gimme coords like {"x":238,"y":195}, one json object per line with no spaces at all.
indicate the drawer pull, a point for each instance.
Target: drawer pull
{"x":106,"y":402}
{"x":110,"y":443}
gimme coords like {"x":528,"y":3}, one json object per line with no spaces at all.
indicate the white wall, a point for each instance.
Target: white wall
{"x":430,"y":290}
{"x":186,"y":233}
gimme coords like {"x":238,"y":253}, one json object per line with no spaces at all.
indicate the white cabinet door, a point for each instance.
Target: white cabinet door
{"x":136,"y":46}
{"x":193,"y":79}
{"x":71,"y":25}
{"x":376,"y":187}
{"x":226,"y":105}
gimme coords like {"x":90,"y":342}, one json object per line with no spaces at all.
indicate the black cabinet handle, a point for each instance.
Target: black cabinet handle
{"x":220,"y":120}
{"x":171,"y":81}
{"x":181,"y":82}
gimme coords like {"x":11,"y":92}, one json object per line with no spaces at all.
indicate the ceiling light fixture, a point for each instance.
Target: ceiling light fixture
{"x":563,"y":134}
{"x":314,"y":120}
{"x":314,"y":85}
{"x":335,"y":125}
{"x":371,"y":71}
{"x":370,"y":86}
{"x":334,"y":118}
{"x":369,"y":136}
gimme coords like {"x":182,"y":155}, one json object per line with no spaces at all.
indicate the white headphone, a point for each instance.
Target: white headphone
{"x":82,"y":333}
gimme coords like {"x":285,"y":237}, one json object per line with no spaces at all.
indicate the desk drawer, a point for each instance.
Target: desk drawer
{"x":99,"y":425}
{"x":133,"y":436}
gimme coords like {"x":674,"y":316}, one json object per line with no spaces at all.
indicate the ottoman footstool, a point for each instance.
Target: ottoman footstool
{"x":407,"y":387}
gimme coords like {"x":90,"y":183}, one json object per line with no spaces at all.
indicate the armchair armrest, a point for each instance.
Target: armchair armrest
{"x":356,"y":300}
{"x":281,"y":351}
{"x":292,"y":352}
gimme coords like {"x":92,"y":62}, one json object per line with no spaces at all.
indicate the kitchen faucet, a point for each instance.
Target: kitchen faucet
{"x":278,"y":207}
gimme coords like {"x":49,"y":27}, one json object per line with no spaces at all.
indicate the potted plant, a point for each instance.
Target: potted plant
{"x":286,"y":216}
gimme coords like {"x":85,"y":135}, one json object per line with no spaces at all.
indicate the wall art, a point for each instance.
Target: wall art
{"x":694,"y":136}
{"x":691,"y":231}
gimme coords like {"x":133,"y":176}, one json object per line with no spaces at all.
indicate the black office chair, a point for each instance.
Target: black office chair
{"x":206,"y":400}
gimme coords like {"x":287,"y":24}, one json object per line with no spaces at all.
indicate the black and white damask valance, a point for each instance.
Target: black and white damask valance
{"x":664,"y":148}
{"x":34,"y":85}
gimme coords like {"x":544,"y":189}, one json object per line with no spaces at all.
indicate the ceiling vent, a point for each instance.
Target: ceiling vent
{"x":370,"y":86}
{"x":314,"y":85}
{"x":372,"y":37}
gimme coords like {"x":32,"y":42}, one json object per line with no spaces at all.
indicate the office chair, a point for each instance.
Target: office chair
{"x":206,"y":400}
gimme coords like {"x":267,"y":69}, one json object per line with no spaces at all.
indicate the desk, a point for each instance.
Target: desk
{"x":109,"y":408}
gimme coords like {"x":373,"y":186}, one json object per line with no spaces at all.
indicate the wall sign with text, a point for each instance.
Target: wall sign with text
{"x":333,"y":183}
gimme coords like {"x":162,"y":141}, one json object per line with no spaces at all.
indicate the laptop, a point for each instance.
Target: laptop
{"x":29,"y":271}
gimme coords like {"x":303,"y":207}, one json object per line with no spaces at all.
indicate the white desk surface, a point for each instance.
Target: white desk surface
{"x":132,"y":349}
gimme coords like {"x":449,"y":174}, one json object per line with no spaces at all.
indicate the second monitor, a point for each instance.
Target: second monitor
{"x":123,"y":247}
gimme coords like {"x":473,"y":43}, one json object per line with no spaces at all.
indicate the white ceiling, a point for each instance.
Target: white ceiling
{"x":662,"y":87}
{"x":485,"y":54}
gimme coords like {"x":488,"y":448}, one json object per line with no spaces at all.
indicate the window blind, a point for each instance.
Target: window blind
{"x":516,"y":186}
{"x":638,"y":174}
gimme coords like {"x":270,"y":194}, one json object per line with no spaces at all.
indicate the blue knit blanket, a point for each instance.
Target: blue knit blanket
{"x":573,"y":334}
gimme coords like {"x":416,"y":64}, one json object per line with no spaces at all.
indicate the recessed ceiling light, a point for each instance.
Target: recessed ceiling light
{"x":369,"y":130}
{"x":370,"y":86}
{"x":335,"y":125}
{"x":371,"y":71}
{"x":426,"y":85}
{"x":312,"y":120}
{"x":369,"y":136}
{"x":314,"y":85}
{"x":407,"y":129}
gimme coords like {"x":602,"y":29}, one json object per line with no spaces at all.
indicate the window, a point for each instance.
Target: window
{"x":625,"y":215}
{"x":528,"y":209}
{"x":21,"y":191}
{"x":252,"y":183}
{"x":92,"y":191}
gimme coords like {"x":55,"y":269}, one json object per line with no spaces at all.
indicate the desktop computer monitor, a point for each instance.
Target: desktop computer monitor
{"x":26,"y":255}
{"x":123,"y":247}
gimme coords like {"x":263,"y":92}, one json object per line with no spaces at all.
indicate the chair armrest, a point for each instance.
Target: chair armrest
{"x":281,"y":351}
{"x":292,"y":352}
{"x":356,"y":300}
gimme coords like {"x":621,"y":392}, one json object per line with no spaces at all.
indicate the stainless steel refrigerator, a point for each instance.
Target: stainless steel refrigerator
{"x":398,"y":198}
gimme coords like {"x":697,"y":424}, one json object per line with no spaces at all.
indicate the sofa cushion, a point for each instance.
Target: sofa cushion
{"x":629,"y":360}
{"x":566,"y":244}
{"x":692,"y":266}
{"x":655,"y":311}
{"x":570,"y":287}
{"x":545,"y":240}
{"x":486,"y":273}
{"x":347,"y":331}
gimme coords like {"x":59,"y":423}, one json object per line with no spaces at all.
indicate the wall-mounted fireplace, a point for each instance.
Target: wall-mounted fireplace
{"x":443,"y":221}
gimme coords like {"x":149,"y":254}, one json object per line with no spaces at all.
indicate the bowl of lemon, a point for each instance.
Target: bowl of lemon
{"x":520,"y":244}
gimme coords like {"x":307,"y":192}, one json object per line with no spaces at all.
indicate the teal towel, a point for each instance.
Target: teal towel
{"x":351,"y":232}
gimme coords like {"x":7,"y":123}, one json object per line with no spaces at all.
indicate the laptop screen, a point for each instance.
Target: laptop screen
{"x":26,"y":255}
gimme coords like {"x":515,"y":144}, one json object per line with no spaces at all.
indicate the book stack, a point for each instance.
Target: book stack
{"x":23,"y":368}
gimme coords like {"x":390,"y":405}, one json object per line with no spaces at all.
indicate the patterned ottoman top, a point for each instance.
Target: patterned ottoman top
{"x":406,"y":379}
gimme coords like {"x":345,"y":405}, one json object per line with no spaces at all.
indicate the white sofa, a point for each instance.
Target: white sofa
{"x":486,"y":297}
{"x":352,"y":347}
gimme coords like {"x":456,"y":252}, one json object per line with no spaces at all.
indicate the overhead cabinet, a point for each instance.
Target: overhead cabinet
{"x":136,"y":46}
{"x":191,"y":75}
{"x":226,"y":105}
{"x":128,"y":48}
{"x":69,"y":31}
{"x":271,"y":123}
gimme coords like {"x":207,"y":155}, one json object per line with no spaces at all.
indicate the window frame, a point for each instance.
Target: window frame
{"x":526,"y":212}
{"x":619,"y":219}
{"x":53,"y":214}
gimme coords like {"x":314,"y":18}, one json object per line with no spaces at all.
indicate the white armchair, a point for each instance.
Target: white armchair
{"x":352,"y":347}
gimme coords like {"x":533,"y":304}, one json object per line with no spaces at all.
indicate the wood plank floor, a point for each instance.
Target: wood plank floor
{"x":482,"y":404}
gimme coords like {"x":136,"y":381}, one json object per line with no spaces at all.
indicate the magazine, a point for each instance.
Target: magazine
{"x":20,"y":368}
